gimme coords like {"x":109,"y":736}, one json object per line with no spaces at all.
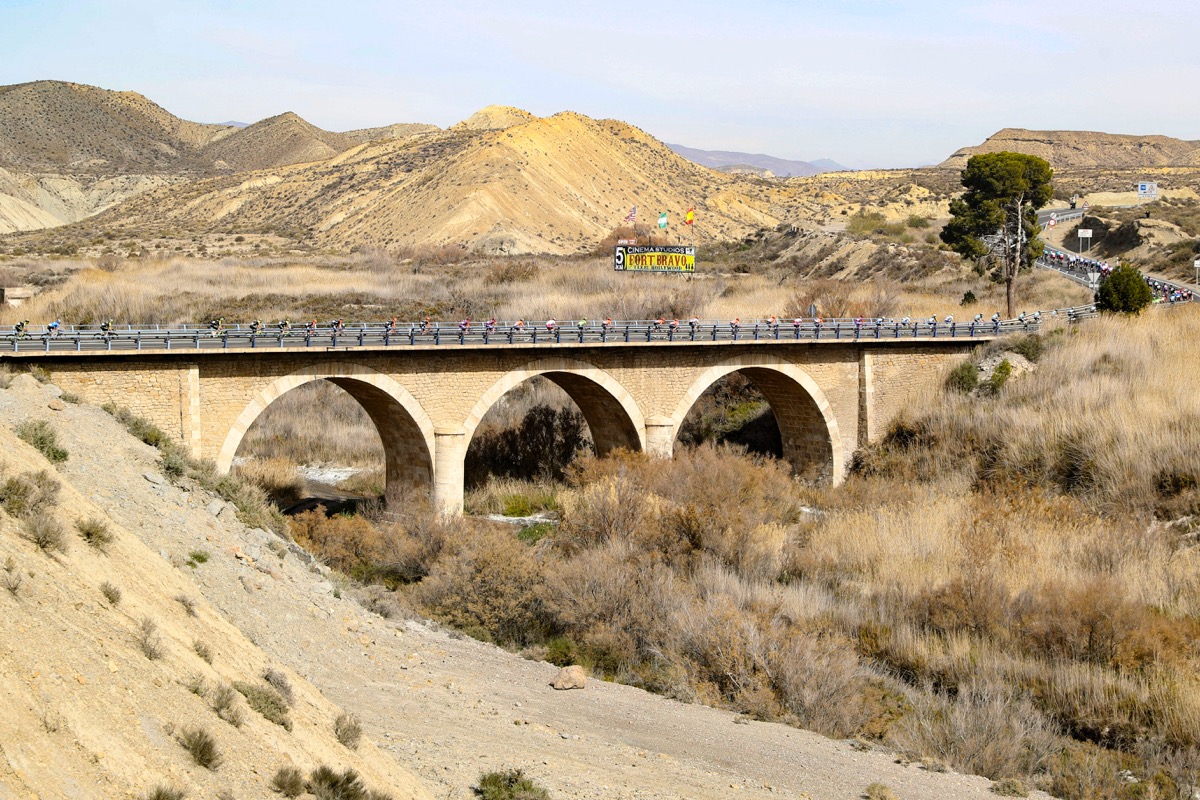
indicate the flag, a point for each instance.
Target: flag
{"x":631,"y":217}
{"x":690,"y":216}
{"x":662,"y":220}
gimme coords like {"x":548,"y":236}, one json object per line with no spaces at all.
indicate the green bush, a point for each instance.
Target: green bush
{"x":968,"y":297}
{"x":1010,"y":787}
{"x":348,"y":730}
{"x":70,"y":397}
{"x":1029,"y":345}
{"x":164,"y":793}
{"x":327,"y":783}
{"x":39,"y":434}
{"x":1000,"y":376}
{"x":963,"y":378}
{"x":267,"y":702}
{"x":111,"y":593}
{"x":510,"y":784}
{"x":917,"y":221}
{"x":1124,"y":291}
{"x":532,"y":534}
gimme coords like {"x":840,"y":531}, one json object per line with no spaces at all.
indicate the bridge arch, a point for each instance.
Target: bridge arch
{"x":610,"y":411}
{"x":806,"y":423}
{"x":404,"y":427}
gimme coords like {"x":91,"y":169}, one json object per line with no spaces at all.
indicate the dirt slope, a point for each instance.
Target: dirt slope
{"x":87,"y":715}
{"x":1085,"y":149}
{"x":448,"y":706}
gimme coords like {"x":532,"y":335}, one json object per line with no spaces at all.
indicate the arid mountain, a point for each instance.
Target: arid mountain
{"x":69,"y":151}
{"x":276,"y":142}
{"x":781,"y":167}
{"x":555,"y":185}
{"x":51,"y":126}
{"x":1075,"y":149}
{"x":494,"y":118}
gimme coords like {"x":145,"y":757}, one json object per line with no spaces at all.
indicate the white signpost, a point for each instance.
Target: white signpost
{"x":1147,"y":190}
{"x":1196,"y":264}
{"x":1084,"y":233}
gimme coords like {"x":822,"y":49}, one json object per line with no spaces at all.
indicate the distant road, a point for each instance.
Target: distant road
{"x":1059,"y":214}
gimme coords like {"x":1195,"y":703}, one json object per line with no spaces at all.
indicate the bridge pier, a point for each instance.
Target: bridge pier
{"x":660,"y":437}
{"x":449,"y":460}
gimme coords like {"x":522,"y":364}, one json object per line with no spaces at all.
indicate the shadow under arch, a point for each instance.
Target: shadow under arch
{"x":810,"y":433}
{"x":610,"y":411}
{"x":404,"y":428}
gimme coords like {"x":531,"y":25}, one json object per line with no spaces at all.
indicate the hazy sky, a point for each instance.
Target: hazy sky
{"x":872,"y":83}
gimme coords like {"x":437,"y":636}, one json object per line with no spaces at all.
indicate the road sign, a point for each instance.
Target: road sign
{"x":1052,"y":222}
{"x":1053,"y":216}
{"x":1147,"y":190}
{"x":1084,"y":233}
{"x":1087,"y":206}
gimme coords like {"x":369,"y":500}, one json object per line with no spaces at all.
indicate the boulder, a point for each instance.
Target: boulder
{"x":56,"y":405}
{"x":572,"y":677}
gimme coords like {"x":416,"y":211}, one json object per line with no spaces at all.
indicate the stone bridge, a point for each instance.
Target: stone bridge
{"x":828,"y":396}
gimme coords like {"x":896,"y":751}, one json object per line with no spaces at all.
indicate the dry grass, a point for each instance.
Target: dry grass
{"x":357,"y":288}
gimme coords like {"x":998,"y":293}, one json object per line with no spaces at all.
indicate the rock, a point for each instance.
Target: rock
{"x":215,"y":507}
{"x":228,"y":513}
{"x":56,"y":405}
{"x":154,"y":478}
{"x":24,"y":382}
{"x":572,"y":677}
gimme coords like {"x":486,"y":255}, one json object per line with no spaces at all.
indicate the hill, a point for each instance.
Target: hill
{"x":110,"y":653}
{"x":52,"y":126}
{"x":553,"y":185}
{"x":1076,"y":149}
{"x":781,"y":167}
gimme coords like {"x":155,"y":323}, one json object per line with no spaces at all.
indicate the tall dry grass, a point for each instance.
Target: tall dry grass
{"x":375,"y":286}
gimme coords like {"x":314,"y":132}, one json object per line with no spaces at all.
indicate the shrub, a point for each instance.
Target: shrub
{"x":879,"y":791}
{"x":510,"y":784}
{"x":968,"y":298}
{"x":1010,"y":787}
{"x":203,"y":650}
{"x":45,"y":532}
{"x":963,"y":378}
{"x":280,"y":683}
{"x":148,"y":639}
{"x":197,"y":557}
{"x":164,"y":793}
{"x":224,"y":703}
{"x":266,"y":701}
{"x":11,"y":579}
{"x":40,"y":374}
{"x":189,"y":605}
{"x":95,"y":533}
{"x":1029,"y":345}
{"x":288,"y":781}
{"x":348,"y":730}
{"x":70,"y":397}
{"x":1124,"y":291}
{"x":41,"y":436}
{"x":201,"y":746}
{"x":1000,"y":376}
{"x":28,"y":493}
{"x":111,"y":593}
{"x":329,"y":784}
{"x":5,"y":376}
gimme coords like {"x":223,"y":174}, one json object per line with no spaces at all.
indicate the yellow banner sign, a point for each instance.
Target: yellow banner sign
{"x":663,"y":258}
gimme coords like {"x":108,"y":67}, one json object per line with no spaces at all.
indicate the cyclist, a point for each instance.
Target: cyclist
{"x":337,"y":326}
{"x":465,"y":325}
{"x":606,"y":324}
{"x":390,"y":327}
{"x":106,"y":328}
{"x":674,"y":326}
{"x":424,"y":326}
{"x":658,"y":323}
{"x":216,"y":327}
{"x":285,"y":327}
{"x":490,"y":325}
{"x":694,"y":322}
{"x":21,"y":329}
{"x":255,"y":327}
{"x":54,"y":328}
{"x":310,"y":327}
{"x":551,"y":324}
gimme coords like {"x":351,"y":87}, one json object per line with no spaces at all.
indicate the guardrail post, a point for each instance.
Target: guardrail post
{"x":626,"y":333}
{"x":78,"y":347}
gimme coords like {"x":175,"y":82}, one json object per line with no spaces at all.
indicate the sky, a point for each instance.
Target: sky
{"x":870,"y":83}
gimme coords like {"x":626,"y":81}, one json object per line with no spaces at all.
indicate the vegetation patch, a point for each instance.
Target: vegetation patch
{"x":95,"y":533}
{"x":43,"y":438}
{"x":509,"y":784}
{"x":202,"y":747}
{"x":266,"y":701}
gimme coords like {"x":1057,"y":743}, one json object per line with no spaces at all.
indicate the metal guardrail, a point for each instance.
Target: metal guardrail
{"x":158,"y":338}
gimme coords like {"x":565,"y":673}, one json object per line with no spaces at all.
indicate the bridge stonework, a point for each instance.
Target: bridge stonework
{"x":828,"y":397}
